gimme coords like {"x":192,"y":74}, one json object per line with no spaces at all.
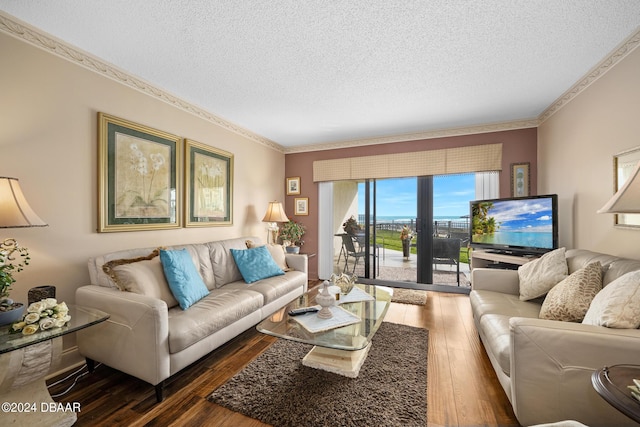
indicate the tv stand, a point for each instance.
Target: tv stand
{"x":496,"y":259}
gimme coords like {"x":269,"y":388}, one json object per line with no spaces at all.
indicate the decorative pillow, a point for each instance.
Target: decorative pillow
{"x":276,"y":251}
{"x":617,"y":305}
{"x":256,"y":264}
{"x":142,"y":275}
{"x":569,"y":300}
{"x":539,"y":276}
{"x":184,"y":280}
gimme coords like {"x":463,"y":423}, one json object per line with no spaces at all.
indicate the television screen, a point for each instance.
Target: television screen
{"x":518,"y":225}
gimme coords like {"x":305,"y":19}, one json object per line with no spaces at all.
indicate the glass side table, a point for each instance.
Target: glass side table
{"x":611,"y":384}
{"x":25,"y":361}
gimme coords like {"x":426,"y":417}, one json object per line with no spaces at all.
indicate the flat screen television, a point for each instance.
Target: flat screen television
{"x":518,"y":226}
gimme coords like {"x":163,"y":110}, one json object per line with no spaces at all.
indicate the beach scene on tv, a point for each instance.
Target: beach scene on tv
{"x":526,"y":223}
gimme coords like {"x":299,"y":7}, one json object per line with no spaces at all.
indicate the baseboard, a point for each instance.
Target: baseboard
{"x":71,"y":359}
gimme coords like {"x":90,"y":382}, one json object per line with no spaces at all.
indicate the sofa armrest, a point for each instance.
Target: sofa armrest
{"x":135,"y":339}
{"x":492,"y":279}
{"x":551,"y":367}
{"x":298,"y":262}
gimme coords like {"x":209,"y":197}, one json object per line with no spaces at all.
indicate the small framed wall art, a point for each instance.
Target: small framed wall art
{"x":138,"y":177}
{"x":208,"y":186}
{"x":293,"y":186}
{"x":520,"y":184}
{"x":301,"y":206}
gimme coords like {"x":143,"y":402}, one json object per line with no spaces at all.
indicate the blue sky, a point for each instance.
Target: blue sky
{"x":397,"y":197}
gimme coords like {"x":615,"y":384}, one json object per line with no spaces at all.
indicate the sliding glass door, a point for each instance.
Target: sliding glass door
{"x":410,"y":232}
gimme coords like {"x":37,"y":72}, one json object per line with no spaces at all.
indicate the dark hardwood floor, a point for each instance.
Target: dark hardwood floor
{"x":462,"y":389}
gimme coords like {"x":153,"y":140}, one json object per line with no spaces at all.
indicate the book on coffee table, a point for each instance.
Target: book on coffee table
{"x":341,"y":317}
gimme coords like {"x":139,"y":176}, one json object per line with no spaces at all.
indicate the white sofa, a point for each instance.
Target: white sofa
{"x":545,"y":366}
{"x":148,"y":339}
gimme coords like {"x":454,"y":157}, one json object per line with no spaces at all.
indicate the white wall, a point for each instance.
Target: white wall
{"x":575,"y":158}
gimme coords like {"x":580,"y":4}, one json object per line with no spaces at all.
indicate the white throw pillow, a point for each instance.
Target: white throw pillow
{"x":617,"y":305}
{"x":539,"y":276}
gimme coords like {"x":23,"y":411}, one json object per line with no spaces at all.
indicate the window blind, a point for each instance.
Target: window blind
{"x":475,"y":158}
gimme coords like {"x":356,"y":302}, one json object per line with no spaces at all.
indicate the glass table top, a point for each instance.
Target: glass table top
{"x":352,"y":337}
{"x":81,"y":317}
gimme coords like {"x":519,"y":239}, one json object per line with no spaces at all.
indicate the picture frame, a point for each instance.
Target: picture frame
{"x":293,"y":186}
{"x":208,"y":185}
{"x":520,"y":179}
{"x":138,"y":177}
{"x":301,"y":206}
{"x":623,"y":165}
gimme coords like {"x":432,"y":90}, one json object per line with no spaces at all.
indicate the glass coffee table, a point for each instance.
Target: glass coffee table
{"x":341,"y":350}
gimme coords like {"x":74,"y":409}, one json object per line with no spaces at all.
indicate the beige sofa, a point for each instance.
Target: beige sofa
{"x":148,"y":338}
{"x":545,"y":366}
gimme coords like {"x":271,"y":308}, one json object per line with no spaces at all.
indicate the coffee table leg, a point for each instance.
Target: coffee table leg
{"x":341,"y":362}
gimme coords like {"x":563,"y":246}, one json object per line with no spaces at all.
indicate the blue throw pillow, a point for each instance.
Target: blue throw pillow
{"x":256,"y":264}
{"x":184,"y":280}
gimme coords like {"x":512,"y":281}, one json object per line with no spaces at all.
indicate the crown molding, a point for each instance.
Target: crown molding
{"x":618,"y":54}
{"x":441,"y":133}
{"x":33,"y":36}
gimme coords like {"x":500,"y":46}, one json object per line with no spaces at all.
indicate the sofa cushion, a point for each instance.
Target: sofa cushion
{"x":539,"y":276}
{"x":490,"y":302}
{"x":256,"y":264}
{"x":184,"y":280}
{"x":276,"y":251}
{"x":275,"y":287}
{"x":219,"y":309}
{"x":569,"y":300}
{"x":617,"y":305}
{"x":497,"y":339}
{"x":225,"y":269}
{"x":144,"y":277}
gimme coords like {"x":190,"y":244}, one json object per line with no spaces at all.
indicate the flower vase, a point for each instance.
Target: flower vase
{"x":326,"y":300}
{"x":406,"y":248}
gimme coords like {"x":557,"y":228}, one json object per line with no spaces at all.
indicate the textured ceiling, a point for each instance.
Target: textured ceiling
{"x":302,"y":72}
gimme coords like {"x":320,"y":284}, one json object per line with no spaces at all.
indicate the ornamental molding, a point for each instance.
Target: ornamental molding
{"x":31,"y":35}
{"x":442,"y":133}
{"x":623,"y":49}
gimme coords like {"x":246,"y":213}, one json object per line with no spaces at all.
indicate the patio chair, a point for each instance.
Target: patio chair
{"x":351,"y":251}
{"x":447,"y":251}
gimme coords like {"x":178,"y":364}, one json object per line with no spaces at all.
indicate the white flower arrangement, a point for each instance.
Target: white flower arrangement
{"x":41,"y":316}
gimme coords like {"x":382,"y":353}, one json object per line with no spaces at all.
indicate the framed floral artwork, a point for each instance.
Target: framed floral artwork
{"x":209,"y":185}
{"x":520,"y":185}
{"x":138,"y":177}
{"x":293,"y":186}
{"x":301,"y":206}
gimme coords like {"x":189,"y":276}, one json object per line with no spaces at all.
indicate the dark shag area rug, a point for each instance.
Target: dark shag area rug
{"x":391,"y":389}
{"x":409,"y":296}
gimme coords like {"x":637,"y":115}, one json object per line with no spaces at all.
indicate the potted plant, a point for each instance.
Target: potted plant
{"x":291,"y":235}
{"x":10,"y":311}
{"x":351,"y":226}
{"x":406,"y":235}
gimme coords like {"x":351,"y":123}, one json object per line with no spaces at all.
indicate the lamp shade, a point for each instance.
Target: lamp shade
{"x":275,"y":213}
{"x":15,"y":211}
{"x":627,"y":198}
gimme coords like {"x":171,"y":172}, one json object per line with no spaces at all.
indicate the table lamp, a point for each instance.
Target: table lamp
{"x":275,"y":214}
{"x":15,"y":212}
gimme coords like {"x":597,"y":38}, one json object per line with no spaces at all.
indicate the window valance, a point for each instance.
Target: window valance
{"x":474,"y":158}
